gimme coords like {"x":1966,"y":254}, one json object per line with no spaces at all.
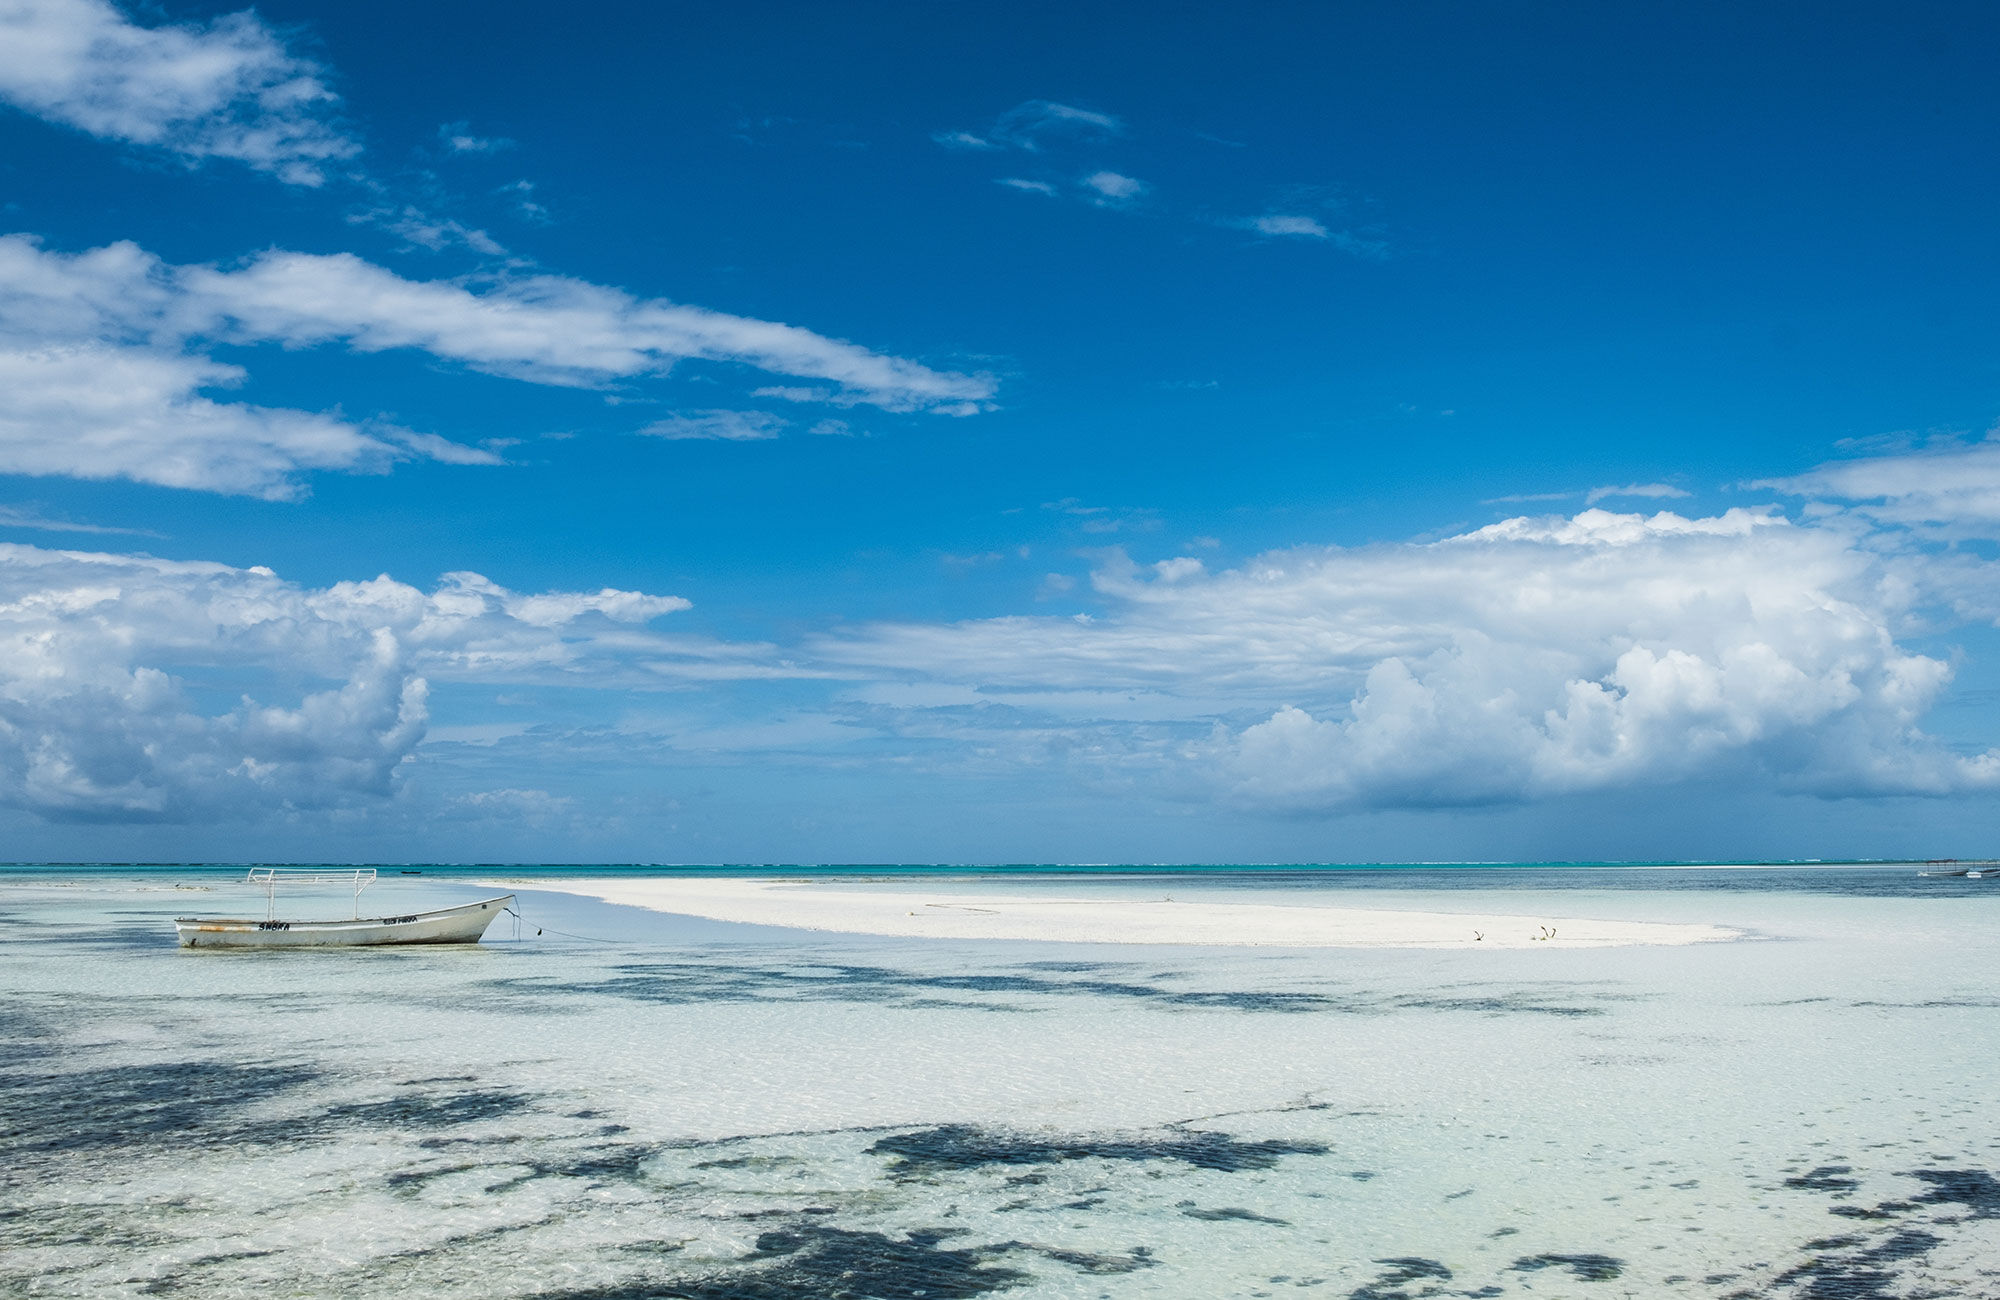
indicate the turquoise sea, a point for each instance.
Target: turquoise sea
{"x":603,"y":1103}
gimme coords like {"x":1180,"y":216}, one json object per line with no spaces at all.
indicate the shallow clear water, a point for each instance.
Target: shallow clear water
{"x":692,"y":1109}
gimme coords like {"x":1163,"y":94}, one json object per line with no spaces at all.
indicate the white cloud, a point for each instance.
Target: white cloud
{"x":1644,"y":491}
{"x":1364,"y":247}
{"x":1952,"y":485}
{"x":95,"y":383}
{"x":422,"y":229}
{"x":964,"y":141}
{"x":1030,"y":125}
{"x":1533,"y":658}
{"x":96,"y":411}
{"x":525,"y":207}
{"x":1292,"y":226}
{"x":95,"y":724}
{"x":1277,"y":226}
{"x":543,"y":328}
{"x":1536,"y":658}
{"x":472,"y":592}
{"x":536,"y":807}
{"x":458,"y":137}
{"x":1027,"y":126}
{"x":727,"y":426}
{"x":227,"y":88}
{"x":105,"y":376}
{"x":98,"y":722}
{"x":1110,"y":187}
{"x":1026,"y":186}
{"x":19,"y":517}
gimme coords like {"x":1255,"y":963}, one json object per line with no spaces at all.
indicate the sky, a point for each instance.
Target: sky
{"x":1042,"y":433}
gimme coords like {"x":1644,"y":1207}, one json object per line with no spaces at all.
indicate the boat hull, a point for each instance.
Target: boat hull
{"x":463,"y":924}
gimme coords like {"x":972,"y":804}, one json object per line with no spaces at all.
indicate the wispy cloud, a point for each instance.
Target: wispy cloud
{"x":1947,"y":484}
{"x":226,"y":88}
{"x":1647,"y":491}
{"x":1297,"y":227}
{"x":1529,"y":498}
{"x":1026,"y":125}
{"x":1280,"y":226}
{"x":457,"y":137}
{"x":522,"y":193}
{"x":421,"y":229}
{"x":965,"y":141}
{"x":1112,"y":188}
{"x":725,"y":426}
{"x":105,"y":370}
{"x":20,"y":517}
{"x":1030,"y":187}
{"x":1105,"y":519}
{"x":1033,"y":125}
{"x":1288,"y":222}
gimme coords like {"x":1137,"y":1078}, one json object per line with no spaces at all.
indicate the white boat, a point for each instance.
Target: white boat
{"x":462,"y":924}
{"x":1982,"y":869}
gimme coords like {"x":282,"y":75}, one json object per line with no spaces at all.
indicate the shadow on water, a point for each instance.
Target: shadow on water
{"x":208,"y":1104}
{"x":694,"y":982}
{"x":963,"y":1146}
{"x":824,"y":1263}
{"x":1862,"y":1267}
{"x":1392,"y":1282}
{"x":197,"y":1102}
{"x":1584,"y":1268}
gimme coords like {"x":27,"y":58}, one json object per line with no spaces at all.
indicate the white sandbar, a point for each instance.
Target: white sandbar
{"x":940,"y":913}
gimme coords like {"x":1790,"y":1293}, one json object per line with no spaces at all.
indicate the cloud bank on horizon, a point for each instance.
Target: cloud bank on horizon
{"x":1534,"y":657}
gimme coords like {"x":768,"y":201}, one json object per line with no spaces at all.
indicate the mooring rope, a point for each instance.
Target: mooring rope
{"x":586,"y":938}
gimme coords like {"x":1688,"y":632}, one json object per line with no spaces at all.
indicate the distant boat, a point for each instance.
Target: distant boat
{"x":1979,"y":870}
{"x":462,"y":924}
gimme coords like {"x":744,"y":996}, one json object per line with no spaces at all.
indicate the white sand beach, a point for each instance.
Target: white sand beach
{"x":857,"y":907}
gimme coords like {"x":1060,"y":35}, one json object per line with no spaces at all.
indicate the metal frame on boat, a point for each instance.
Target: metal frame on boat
{"x":1974,"y":869}
{"x":465,"y":923}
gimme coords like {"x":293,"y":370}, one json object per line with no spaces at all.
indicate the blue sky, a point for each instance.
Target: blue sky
{"x":893,"y":433}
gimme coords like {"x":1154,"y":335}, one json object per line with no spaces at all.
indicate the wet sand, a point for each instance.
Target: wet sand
{"x":945,"y":913}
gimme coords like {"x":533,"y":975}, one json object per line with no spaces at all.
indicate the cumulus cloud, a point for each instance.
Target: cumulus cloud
{"x":101,"y":718}
{"x":227,"y":88}
{"x":102,"y":353}
{"x":1533,"y":658}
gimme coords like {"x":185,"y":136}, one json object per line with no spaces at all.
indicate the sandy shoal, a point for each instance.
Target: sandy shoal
{"x":942,"y":913}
